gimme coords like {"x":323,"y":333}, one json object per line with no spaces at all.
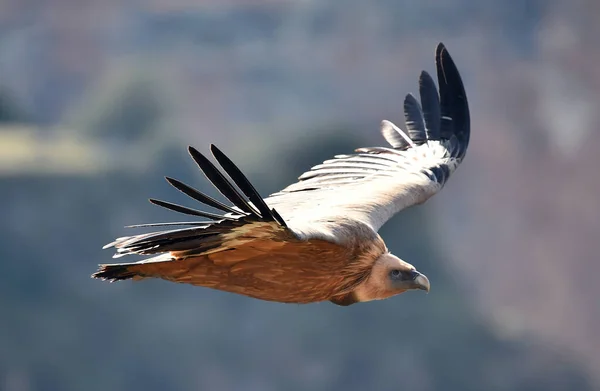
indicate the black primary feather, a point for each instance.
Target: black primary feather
{"x":430,"y":103}
{"x":455,"y":117}
{"x":199,"y":196}
{"x":461,"y":116}
{"x":413,"y":116}
{"x":193,"y":223}
{"x":188,"y":211}
{"x":242,"y":183}
{"x":446,"y":112}
{"x":278,"y":218}
{"x":220,"y":182}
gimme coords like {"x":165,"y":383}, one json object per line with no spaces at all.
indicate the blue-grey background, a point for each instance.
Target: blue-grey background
{"x":99,"y":100}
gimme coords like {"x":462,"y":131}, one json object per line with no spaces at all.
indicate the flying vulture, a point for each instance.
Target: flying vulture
{"x":316,"y":240}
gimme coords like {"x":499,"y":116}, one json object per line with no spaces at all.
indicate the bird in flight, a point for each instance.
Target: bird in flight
{"x":316,"y":240}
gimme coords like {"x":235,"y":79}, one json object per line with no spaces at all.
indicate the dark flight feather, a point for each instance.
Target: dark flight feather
{"x":191,"y":223}
{"x":413,"y":116}
{"x":430,"y":102}
{"x":188,"y":211}
{"x":278,"y":218}
{"x":220,"y":182}
{"x":242,"y":182}
{"x":199,"y":196}
{"x":455,"y":117}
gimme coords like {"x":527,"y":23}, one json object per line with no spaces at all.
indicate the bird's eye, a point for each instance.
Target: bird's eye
{"x":395,"y":273}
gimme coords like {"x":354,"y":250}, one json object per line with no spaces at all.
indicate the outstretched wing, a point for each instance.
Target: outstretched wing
{"x":248,"y":249}
{"x":373,"y":184}
{"x":248,"y":216}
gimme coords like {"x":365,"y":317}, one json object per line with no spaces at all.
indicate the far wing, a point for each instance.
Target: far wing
{"x":373,"y":184}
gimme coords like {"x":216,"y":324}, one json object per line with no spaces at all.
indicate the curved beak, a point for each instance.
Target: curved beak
{"x":421,"y":281}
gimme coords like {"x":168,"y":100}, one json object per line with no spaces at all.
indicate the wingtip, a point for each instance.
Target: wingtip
{"x":198,"y":157}
{"x":193,"y":152}
{"x":174,"y":182}
{"x":216,"y":151}
{"x":453,"y":98}
{"x":445,"y":62}
{"x":411,"y":101}
{"x":425,"y":77}
{"x":440,"y":48}
{"x":177,"y":184}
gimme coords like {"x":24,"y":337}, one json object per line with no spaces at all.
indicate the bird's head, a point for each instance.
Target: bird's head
{"x":390,"y":276}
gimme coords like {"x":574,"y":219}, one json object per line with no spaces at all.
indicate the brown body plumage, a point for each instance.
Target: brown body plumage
{"x":317,"y":239}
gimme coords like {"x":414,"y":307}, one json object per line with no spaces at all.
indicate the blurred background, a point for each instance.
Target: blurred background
{"x":99,"y":100}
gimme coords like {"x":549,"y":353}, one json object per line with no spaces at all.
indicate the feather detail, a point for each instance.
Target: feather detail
{"x":415,"y":124}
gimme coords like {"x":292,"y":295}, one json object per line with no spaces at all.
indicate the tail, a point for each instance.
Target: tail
{"x":117,"y":272}
{"x":147,"y":268}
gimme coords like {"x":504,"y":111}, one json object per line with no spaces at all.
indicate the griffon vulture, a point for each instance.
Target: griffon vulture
{"x":315,"y":240}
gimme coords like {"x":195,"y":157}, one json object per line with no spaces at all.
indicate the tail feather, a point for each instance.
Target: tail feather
{"x":116,"y":272}
{"x":146,"y":268}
